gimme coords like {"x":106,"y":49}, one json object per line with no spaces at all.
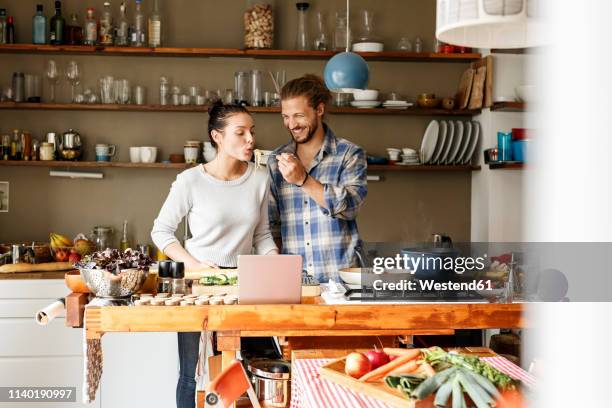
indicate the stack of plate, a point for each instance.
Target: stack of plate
{"x":449,"y":142}
{"x":397,"y":104}
{"x":365,"y":104}
{"x":409,"y":157}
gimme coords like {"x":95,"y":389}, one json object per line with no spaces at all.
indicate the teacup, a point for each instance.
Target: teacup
{"x":393,"y":153}
{"x":148,"y":154}
{"x":135,"y":154}
{"x":104,"y":152}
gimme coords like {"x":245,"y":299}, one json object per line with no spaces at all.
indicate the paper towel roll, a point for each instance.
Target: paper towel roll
{"x":46,"y":315}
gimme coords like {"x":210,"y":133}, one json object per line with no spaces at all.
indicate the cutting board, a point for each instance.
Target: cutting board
{"x":334,"y":372}
{"x":196,"y":289}
{"x":465,"y":87}
{"x":41,"y":267}
{"x":476,"y":97}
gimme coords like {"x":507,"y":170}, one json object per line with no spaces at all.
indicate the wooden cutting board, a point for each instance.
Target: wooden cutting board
{"x":41,"y":267}
{"x":196,"y":289}
{"x":465,"y":87}
{"x":476,"y":97}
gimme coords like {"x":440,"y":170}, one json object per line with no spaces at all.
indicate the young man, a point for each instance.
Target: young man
{"x":318,"y":183}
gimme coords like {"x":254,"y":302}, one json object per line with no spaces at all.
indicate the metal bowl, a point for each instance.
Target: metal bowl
{"x":105,"y":284}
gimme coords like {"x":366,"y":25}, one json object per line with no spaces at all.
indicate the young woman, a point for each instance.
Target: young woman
{"x":226,"y":205}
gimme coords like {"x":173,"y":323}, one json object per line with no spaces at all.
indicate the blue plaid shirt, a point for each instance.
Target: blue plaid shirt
{"x":326,"y":239}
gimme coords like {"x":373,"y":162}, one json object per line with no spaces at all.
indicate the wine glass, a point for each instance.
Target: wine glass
{"x":73,"y":74}
{"x":53,"y":75}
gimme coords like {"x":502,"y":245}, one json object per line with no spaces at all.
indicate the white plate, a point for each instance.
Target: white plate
{"x":456,"y":142}
{"x":430,"y":138}
{"x":473,"y":142}
{"x":450,"y":133}
{"x":407,"y":164}
{"x":365,"y":104}
{"x":465,"y":143}
{"x":398,"y":103}
{"x":441,"y":139}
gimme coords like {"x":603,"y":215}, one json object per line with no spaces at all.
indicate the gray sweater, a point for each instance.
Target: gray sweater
{"x":226,"y":218}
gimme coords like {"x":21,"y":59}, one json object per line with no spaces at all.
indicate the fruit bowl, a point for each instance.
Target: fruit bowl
{"x":103,"y":283}
{"x":62,"y":254}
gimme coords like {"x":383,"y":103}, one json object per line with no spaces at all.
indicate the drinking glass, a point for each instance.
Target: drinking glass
{"x":53,"y":75}
{"x":107,"y":89}
{"x":73,"y":75}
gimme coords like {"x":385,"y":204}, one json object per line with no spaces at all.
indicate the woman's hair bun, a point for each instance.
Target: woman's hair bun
{"x":216,"y":105}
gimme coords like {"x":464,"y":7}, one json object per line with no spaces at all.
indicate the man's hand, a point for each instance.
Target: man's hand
{"x":291,"y":168}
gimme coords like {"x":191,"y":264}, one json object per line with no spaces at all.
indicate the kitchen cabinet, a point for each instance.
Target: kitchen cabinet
{"x":52,"y":355}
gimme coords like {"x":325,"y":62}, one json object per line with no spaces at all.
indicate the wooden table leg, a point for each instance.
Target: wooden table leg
{"x":228,"y":343}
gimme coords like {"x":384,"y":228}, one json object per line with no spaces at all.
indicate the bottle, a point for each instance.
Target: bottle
{"x":74,"y":31}
{"x":301,"y":42}
{"x":39,"y":26}
{"x":138,"y":27}
{"x":6,"y":147}
{"x":56,"y":26}
{"x":155,"y":26}
{"x":2,"y":26}
{"x":10,"y":30}
{"x":164,"y":275}
{"x":105,"y":36}
{"x":124,"y":243}
{"x":15,"y":146}
{"x":122,"y":27}
{"x":91,"y":28}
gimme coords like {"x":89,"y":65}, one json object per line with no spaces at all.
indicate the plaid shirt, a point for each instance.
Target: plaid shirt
{"x":326,"y":239}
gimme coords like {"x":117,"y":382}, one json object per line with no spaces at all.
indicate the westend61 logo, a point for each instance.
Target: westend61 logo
{"x":411,"y":264}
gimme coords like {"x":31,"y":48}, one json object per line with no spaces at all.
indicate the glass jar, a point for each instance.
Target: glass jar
{"x":340,"y":33}
{"x":102,"y":237}
{"x":321,"y":42}
{"x":241,"y":87}
{"x":367,"y":33}
{"x":164,"y":91}
{"x":257,"y":97}
{"x":259,"y":24}
{"x":47,"y":151}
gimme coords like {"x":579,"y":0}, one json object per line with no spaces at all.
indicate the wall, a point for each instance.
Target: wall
{"x":405,"y":206}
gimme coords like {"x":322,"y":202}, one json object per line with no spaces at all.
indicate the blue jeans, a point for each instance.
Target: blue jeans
{"x":188,"y":346}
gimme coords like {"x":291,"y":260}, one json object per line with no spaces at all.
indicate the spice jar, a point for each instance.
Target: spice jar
{"x":46,"y":151}
{"x":178,"y":278}
{"x":164,"y":275}
{"x":259,"y":24}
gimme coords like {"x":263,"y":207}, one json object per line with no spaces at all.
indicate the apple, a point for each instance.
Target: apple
{"x":377,"y":358}
{"x":357,"y":365}
{"x":74,"y":257}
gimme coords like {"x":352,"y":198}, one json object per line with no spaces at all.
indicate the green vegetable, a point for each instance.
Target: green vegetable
{"x":216,"y":280}
{"x":458,"y":400}
{"x":443,"y":394}
{"x":477,"y":394}
{"x":405,"y":383}
{"x":430,"y":385}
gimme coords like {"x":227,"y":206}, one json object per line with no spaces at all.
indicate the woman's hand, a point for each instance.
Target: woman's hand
{"x":205,"y":264}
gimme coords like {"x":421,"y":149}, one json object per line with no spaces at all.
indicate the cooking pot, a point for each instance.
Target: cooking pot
{"x":271,"y":380}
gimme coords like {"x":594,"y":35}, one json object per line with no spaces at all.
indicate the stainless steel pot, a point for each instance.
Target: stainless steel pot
{"x":71,"y":140}
{"x":271,"y":379}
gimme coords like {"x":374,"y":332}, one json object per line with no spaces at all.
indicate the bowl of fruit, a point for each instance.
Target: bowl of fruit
{"x":114,"y":274}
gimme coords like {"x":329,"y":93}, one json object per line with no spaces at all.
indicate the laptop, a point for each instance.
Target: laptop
{"x":269,"y":279}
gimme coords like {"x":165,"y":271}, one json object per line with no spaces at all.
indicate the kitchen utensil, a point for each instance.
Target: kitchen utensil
{"x":271,"y":379}
{"x":71,"y":145}
{"x":105,"y":284}
{"x":450,"y":134}
{"x":365,"y":94}
{"x":457,"y":140}
{"x":465,"y":88}
{"x":465,"y":143}
{"x":440,"y":143}
{"x":430,"y":138}
{"x":477,"y":94}
{"x":428,"y":101}
{"x":135,"y":154}
{"x":148,"y":154}
{"x":473,"y":143}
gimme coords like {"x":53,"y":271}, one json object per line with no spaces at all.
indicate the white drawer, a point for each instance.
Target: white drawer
{"x":23,"y":337}
{"x":23,"y":307}
{"x":33,"y":289}
{"x":45,"y":372}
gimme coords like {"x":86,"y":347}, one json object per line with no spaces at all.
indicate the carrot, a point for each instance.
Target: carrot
{"x":390,"y":366}
{"x":428,"y":369}
{"x":397,"y":351}
{"x":409,"y":367}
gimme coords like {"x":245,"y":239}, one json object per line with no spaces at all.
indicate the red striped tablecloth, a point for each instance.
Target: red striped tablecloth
{"x":308,"y":390}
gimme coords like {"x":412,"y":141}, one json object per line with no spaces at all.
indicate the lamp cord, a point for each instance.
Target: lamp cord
{"x":347,"y":24}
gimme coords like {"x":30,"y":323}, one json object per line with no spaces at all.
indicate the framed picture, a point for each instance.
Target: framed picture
{"x":4,"y":196}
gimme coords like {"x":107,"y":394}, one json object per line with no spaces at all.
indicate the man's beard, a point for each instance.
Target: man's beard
{"x":313,"y":129}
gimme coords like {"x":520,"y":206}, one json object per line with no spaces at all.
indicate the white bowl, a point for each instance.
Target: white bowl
{"x":525,"y":93}
{"x":365,"y":94}
{"x":351,"y":276}
{"x":368,"y":47}
{"x":408,"y":151}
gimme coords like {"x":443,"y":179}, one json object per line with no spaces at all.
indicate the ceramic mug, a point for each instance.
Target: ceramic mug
{"x":104,"y":152}
{"x":148,"y":154}
{"x":135,"y":154}
{"x":191,"y":153}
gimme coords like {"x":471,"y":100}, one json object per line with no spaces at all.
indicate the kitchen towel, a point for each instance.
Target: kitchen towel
{"x":92,"y":364}
{"x":46,"y":315}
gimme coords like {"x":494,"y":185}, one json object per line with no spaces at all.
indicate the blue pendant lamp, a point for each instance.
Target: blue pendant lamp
{"x":346,"y":71}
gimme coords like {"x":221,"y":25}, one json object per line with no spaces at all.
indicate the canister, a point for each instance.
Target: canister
{"x":46,"y":151}
{"x":504,"y":139}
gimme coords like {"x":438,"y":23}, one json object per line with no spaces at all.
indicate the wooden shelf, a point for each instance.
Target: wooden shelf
{"x":508,"y":165}
{"x":94,"y":164}
{"x":204,"y":109}
{"x":398,"y":168}
{"x":231,"y":52}
{"x":509,"y":107}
